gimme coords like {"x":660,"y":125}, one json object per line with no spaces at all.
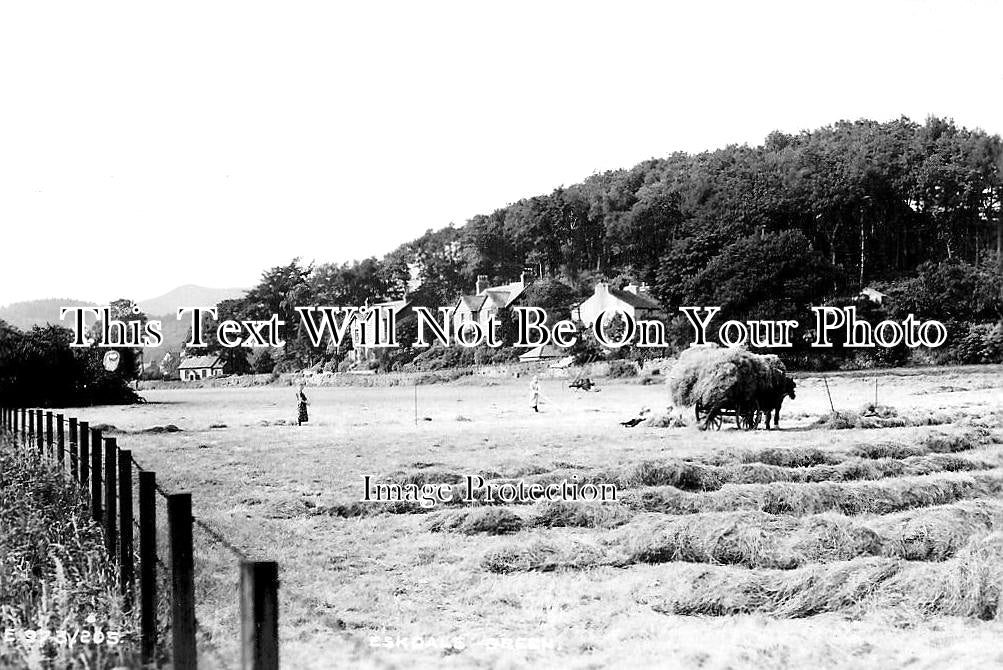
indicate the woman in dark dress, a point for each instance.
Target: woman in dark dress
{"x":303,"y":415}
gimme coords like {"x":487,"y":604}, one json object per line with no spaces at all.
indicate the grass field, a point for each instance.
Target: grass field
{"x":873,"y":547}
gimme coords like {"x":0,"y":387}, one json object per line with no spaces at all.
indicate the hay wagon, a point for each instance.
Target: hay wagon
{"x":745,"y":420}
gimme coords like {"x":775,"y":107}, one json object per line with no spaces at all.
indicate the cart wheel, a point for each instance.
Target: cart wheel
{"x":717,"y":422}
{"x":748,"y":421}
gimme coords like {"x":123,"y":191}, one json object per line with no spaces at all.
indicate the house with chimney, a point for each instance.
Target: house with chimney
{"x":486,"y":300}
{"x":633,"y":299}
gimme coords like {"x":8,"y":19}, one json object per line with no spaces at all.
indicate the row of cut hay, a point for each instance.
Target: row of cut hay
{"x":752,"y":486}
{"x":754,"y":466}
{"x":757,"y":539}
{"x":862,"y":497}
{"x":752,"y":539}
{"x":760,"y":540}
{"x":545,"y":554}
{"x":475,"y":520}
{"x":883,"y":417}
{"x":933,"y":443}
{"x":968,"y":585}
{"x":493,"y":520}
{"x":936,"y":533}
{"x":691,"y":476}
{"x":792,"y":457}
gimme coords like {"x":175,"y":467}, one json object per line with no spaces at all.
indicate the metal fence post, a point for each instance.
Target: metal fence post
{"x":259,"y":615}
{"x":179,"y":521}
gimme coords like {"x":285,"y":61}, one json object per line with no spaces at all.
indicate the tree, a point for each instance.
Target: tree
{"x":264,"y":363}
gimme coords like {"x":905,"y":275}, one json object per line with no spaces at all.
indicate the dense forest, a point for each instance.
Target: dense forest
{"x":910,"y":209}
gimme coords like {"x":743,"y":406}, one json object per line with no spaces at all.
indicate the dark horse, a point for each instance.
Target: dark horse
{"x":771,"y":401}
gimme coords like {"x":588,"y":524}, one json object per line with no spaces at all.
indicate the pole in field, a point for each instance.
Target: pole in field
{"x":828,"y":393}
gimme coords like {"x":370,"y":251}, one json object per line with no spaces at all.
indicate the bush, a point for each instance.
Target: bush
{"x":619,"y":369}
{"x":983,"y":343}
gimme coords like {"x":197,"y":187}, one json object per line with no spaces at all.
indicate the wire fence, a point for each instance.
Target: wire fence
{"x":130,"y":505}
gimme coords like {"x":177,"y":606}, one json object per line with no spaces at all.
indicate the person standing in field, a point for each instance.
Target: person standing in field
{"x":534,"y":394}
{"x":302,"y":403}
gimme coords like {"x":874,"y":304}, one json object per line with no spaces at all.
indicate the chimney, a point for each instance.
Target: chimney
{"x":482,"y":284}
{"x":631,"y":288}
{"x":644,"y":289}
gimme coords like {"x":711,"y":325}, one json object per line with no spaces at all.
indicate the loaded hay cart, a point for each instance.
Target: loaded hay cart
{"x":725,"y":382}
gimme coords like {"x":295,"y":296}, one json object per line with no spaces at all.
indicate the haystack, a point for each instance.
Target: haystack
{"x":710,"y":377}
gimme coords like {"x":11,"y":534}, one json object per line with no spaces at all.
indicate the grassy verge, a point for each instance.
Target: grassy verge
{"x":58,"y":600}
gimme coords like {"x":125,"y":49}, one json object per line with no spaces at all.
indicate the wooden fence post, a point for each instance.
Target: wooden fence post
{"x":96,"y":475}
{"x":48,"y":434}
{"x":85,"y":453}
{"x":125,"y":556}
{"x":259,"y":615}
{"x":74,"y":454}
{"x":179,"y":521}
{"x":15,"y":426}
{"x":39,"y":434}
{"x":60,"y":442}
{"x":110,"y":492}
{"x":31,"y":427}
{"x":148,"y":565}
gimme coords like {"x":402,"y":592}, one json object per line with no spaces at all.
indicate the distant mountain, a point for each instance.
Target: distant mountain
{"x":188,"y":296}
{"x":30,"y":313}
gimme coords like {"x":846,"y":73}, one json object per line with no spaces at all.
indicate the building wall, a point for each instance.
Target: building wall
{"x":597,"y":303}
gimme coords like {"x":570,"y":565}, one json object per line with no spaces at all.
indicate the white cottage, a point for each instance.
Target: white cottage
{"x":633,"y":300}
{"x":200,"y":367}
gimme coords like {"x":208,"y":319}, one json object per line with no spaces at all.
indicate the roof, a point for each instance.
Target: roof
{"x":635,"y":300}
{"x":473,"y":302}
{"x":200,"y":362}
{"x":395,"y":305}
{"x":496,"y":296}
{"x":543,"y":351}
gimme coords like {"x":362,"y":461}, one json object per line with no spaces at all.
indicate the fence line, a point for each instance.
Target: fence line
{"x":110,"y":496}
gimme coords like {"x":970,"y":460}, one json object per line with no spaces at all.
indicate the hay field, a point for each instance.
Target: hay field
{"x":862,"y":547}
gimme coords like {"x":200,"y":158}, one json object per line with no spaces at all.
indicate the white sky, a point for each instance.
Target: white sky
{"x":139,"y":139}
